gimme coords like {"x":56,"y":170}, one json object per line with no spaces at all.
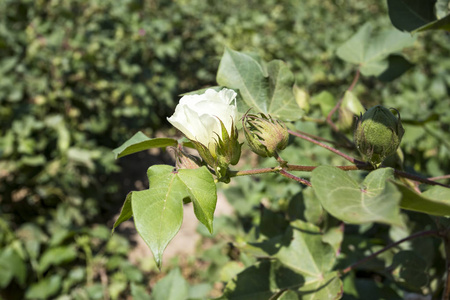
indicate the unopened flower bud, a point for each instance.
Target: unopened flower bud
{"x":264,"y":135}
{"x":378,"y":134}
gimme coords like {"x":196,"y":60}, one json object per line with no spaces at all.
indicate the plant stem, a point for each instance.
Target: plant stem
{"x":418,"y":179}
{"x":439,"y":177}
{"x":289,"y":175}
{"x":347,"y":157}
{"x":413,"y":236}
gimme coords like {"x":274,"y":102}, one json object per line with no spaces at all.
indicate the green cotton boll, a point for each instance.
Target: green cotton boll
{"x":378,"y":134}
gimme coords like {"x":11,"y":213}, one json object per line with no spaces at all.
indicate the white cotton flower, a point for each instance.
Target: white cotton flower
{"x":197,"y":116}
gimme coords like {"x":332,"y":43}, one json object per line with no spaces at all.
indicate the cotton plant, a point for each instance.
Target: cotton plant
{"x":208,"y":120}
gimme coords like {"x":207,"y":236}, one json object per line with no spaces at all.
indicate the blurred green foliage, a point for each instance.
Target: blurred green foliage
{"x":79,"y":77}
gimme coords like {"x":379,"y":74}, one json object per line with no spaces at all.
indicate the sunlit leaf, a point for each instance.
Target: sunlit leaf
{"x":158,"y":211}
{"x":371,"y":51}
{"x":202,"y":191}
{"x":266,"y":88}
{"x":374,"y":200}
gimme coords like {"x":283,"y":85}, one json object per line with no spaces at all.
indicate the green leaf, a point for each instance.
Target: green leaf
{"x":158,"y":211}
{"x":45,"y":288}
{"x":375,"y":200}
{"x":202,"y":191}
{"x":252,"y":283}
{"x":282,"y":103}
{"x":397,"y":65}
{"x":442,"y":24}
{"x":411,"y":14}
{"x":264,"y":88}
{"x":173,"y":286}
{"x":371,"y":51}
{"x":56,"y":256}
{"x":269,"y":279}
{"x":303,"y":250}
{"x":325,"y":100}
{"x":327,"y":287}
{"x":410,"y":269}
{"x":138,"y":292}
{"x":125,"y":213}
{"x":140,"y":142}
{"x":12,"y":266}
{"x":435,"y":201}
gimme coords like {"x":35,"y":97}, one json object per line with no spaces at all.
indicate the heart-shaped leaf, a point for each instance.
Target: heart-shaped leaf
{"x":266,"y":88}
{"x":371,"y":52}
{"x":304,"y":251}
{"x":375,"y":200}
{"x":158,"y":211}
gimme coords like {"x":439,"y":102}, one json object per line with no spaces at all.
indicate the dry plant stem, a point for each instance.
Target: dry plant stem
{"x":298,"y":179}
{"x":439,"y":177}
{"x":418,"y":179}
{"x":335,"y":108}
{"x":375,"y":254}
{"x":349,"y":158}
{"x":255,"y":171}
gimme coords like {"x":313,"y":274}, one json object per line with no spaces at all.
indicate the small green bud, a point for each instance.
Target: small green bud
{"x":264,"y":135}
{"x":378,"y":134}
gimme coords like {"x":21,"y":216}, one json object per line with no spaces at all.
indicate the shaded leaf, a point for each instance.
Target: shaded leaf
{"x":140,"y":142}
{"x":441,"y":24}
{"x":411,"y":14}
{"x":410,"y":269}
{"x":397,"y":65}
{"x":138,"y":292}
{"x":56,"y":256}
{"x":11,"y":266}
{"x":371,"y":51}
{"x":434,"y":201}
{"x":202,"y":191}
{"x":172,"y":286}
{"x":45,"y":288}
{"x":251,"y":284}
{"x":125,"y":213}
{"x":270,"y":280}
{"x":304,"y":251}
{"x":375,"y":200}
